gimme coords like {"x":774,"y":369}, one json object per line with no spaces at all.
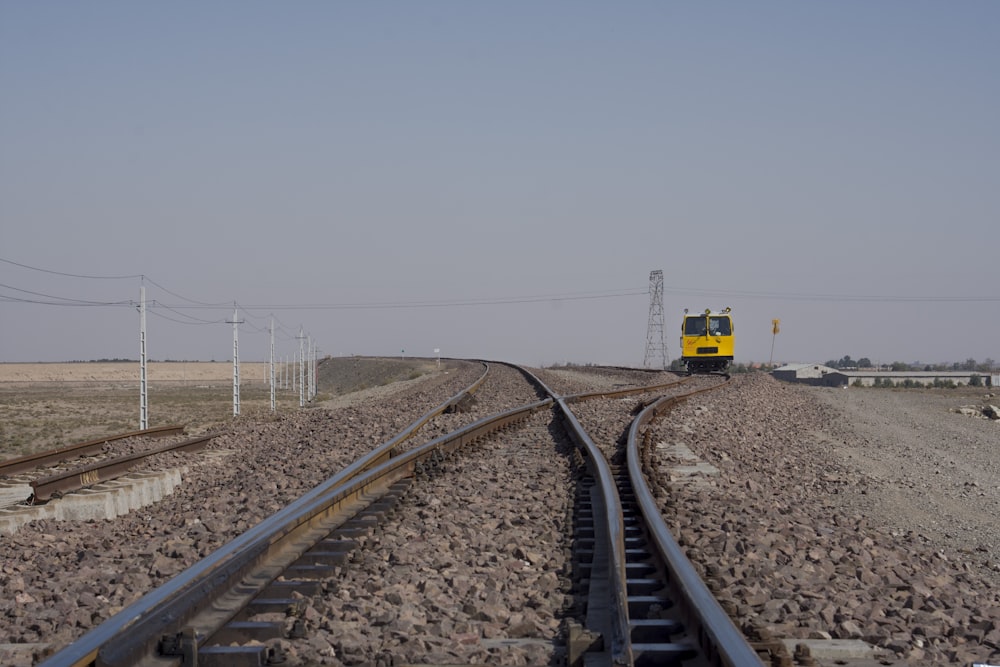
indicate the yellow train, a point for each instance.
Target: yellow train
{"x":707,"y":341}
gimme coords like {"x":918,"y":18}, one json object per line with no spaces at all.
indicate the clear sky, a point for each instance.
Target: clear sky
{"x":497,"y":180}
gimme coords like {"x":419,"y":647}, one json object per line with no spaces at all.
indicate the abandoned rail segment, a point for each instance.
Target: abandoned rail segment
{"x":345,"y":510}
{"x":57,"y":484}
{"x":42,"y":459}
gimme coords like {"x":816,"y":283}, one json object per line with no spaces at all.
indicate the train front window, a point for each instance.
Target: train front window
{"x":720,"y":326}
{"x":694,"y":326}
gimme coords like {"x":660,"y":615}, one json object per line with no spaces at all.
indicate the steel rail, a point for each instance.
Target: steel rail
{"x":715,"y":636}
{"x":254,"y":559}
{"x":616,"y":393}
{"x":614,"y":625}
{"x":392,"y":447}
{"x":720,"y":640}
{"x":38,"y":459}
{"x":186,"y":605}
{"x":609,"y":575}
{"x":189,"y":593}
{"x":44,"y":488}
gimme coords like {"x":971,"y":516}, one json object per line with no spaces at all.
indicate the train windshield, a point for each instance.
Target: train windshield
{"x":720,"y":326}
{"x":694,"y":326}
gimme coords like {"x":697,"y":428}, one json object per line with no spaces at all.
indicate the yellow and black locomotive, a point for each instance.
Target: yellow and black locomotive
{"x":707,"y":341}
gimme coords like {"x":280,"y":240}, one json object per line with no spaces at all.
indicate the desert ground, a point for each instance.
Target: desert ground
{"x":49,"y":405}
{"x":157,"y":371}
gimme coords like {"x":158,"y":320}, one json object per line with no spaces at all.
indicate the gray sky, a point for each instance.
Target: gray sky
{"x":497,"y":180}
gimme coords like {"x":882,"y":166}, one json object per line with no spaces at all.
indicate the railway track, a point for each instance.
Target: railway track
{"x":52,"y":473}
{"x":88,"y":448}
{"x":624,"y":597}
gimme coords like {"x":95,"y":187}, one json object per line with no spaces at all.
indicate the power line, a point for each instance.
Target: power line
{"x":69,"y":275}
{"x":184,"y":298}
{"x":196,"y":320}
{"x":60,"y":300}
{"x":873,"y":298}
{"x":53,"y":300}
{"x":389,"y":305}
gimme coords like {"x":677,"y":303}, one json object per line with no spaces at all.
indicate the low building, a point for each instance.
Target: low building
{"x":818,"y":374}
{"x":804,"y":373}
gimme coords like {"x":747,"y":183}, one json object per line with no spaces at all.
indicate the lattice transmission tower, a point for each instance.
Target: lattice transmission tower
{"x":655,"y":348}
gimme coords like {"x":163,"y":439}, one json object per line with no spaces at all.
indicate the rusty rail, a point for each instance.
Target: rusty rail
{"x":44,"y":488}
{"x":38,"y":459}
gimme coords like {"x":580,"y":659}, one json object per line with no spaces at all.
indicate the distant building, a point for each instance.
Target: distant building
{"x":804,"y":373}
{"x":818,"y":374}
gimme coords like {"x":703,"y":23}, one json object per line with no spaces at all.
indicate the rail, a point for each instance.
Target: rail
{"x":720,"y":640}
{"x":38,"y":459}
{"x":45,"y":488}
{"x":256,"y":557}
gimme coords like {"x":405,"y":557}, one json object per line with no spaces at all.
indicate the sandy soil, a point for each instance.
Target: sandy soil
{"x":156,"y":371}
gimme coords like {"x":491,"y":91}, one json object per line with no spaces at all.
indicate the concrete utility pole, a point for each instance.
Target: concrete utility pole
{"x":312,"y":369}
{"x":236,"y":321}
{"x":143,"y":398}
{"x":271,"y":366}
{"x":302,"y":369}
{"x":654,"y":330}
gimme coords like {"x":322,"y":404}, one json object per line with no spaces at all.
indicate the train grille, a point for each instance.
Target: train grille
{"x":708,"y":350}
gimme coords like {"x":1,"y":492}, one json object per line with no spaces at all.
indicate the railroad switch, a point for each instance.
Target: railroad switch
{"x":276,"y":655}
{"x":183,"y":644}
{"x":580,"y":641}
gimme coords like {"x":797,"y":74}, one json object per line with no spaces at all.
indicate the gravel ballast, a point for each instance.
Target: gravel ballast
{"x":853,"y":514}
{"x":860,"y":513}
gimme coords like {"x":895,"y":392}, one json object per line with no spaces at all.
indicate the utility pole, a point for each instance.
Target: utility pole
{"x":312,"y":369}
{"x":236,"y":360}
{"x":270,"y":365}
{"x":302,"y":369}
{"x":143,"y":397}
{"x":654,"y":330}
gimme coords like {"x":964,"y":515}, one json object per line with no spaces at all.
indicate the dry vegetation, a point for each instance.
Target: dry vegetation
{"x":43,"y":406}
{"x":49,"y":405}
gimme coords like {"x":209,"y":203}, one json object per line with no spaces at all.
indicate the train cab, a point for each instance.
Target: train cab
{"x":707,"y":341}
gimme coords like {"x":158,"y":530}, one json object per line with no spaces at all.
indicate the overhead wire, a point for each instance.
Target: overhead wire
{"x":61,"y":300}
{"x":193,"y":304}
{"x":69,"y":275}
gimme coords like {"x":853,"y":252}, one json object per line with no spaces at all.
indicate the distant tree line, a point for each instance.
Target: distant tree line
{"x":845,"y":363}
{"x":106,"y":361}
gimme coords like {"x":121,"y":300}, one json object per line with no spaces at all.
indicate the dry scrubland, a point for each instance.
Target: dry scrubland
{"x":48,"y":405}
{"x":191,"y":372}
